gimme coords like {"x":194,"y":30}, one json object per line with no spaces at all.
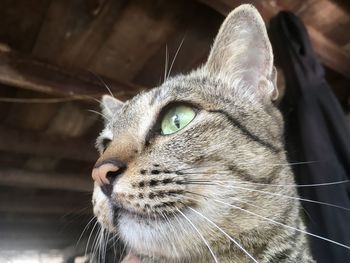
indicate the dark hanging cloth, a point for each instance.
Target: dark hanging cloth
{"x":316,"y":131}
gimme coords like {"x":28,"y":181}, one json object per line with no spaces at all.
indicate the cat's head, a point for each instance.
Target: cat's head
{"x":178,"y":160}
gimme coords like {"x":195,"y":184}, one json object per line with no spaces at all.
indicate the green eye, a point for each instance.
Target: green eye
{"x":176,"y":118}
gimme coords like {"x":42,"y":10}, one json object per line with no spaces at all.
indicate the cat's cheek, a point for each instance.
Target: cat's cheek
{"x":102,"y":210}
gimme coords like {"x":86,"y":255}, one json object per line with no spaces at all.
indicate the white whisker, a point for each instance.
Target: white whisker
{"x":85,"y":228}
{"x":200,"y":234}
{"x":98,"y":113}
{"x":293,"y":185}
{"x":228,"y":236}
{"x":88,"y":241}
{"x":103,"y":82}
{"x":286,"y":196}
{"x":284,"y":225}
{"x":175,"y":56}
{"x":166,"y":63}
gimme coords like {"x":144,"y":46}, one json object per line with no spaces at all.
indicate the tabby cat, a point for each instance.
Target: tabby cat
{"x":193,"y":170}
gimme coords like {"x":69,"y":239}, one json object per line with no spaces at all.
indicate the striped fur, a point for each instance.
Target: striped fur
{"x":202,"y":194}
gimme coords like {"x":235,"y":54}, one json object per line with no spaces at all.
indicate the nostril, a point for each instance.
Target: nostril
{"x":112,"y":175}
{"x":107,"y":189}
{"x":106,"y":172}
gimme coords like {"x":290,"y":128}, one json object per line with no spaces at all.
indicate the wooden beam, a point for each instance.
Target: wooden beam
{"x":32,"y":241}
{"x":25,"y":230}
{"x":23,"y":71}
{"x":18,"y":141}
{"x":141,"y":29}
{"x":198,"y":35}
{"x":73,"y":31}
{"x":62,"y":204}
{"x":21,"y":21}
{"x":70,"y":182}
{"x":329,"y":52}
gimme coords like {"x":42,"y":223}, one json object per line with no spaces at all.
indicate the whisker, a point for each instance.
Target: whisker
{"x":246,"y":163}
{"x":92,"y":252}
{"x":166,"y":62}
{"x":200,"y":234}
{"x":88,"y":241}
{"x":98,"y":113}
{"x":85,"y":228}
{"x":103,"y":82}
{"x":294,"y":185}
{"x":105,"y":246}
{"x":185,"y":182}
{"x":233,"y":198}
{"x":177,"y":51}
{"x":122,"y":253}
{"x":284,"y":225}
{"x":174,"y":233}
{"x":224,"y":180}
{"x":228,"y":236}
{"x":287,"y":196}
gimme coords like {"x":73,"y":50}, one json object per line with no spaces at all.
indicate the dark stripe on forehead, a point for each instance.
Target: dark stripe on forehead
{"x":246,"y":132}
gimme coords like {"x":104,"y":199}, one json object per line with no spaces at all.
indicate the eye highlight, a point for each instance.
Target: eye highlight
{"x":176,"y":118}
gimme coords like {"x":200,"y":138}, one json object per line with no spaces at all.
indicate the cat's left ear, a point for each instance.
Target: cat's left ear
{"x":110,"y":105}
{"x":242,"y":50}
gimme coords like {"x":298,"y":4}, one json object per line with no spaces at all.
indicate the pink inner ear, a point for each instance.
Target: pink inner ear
{"x":242,"y":47}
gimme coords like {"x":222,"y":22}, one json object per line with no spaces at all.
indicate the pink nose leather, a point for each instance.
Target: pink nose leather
{"x":99,"y":174}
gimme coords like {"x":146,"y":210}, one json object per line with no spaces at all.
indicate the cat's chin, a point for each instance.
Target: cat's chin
{"x":148,"y":236}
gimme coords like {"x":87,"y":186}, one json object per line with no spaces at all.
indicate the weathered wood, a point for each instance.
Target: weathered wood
{"x":39,"y":236}
{"x":26,"y":231}
{"x":19,"y":141}
{"x":26,"y":179}
{"x":329,"y":53}
{"x":197,"y":35}
{"x":73,"y":31}
{"x":21,"y":22}
{"x":22,"y":71}
{"x":142,"y":28}
{"x":61,"y":204}
{"x":31,"y":241}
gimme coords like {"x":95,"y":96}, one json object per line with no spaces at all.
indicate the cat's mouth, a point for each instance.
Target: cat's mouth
{"x":147,"y":215}
{"x":121,"y":211}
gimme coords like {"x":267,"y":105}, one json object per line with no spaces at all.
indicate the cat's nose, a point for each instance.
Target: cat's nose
{"x":106,"y":172}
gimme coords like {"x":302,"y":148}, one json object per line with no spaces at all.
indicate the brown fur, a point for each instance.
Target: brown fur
{"x":220,"y":165}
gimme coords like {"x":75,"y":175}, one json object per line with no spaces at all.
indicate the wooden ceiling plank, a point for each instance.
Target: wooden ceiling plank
{"x":67,"y":204}
{"x":328,"y":52}
{"x":21,"y":22}
{"x":197,"y":33}
{"x":31,"y":241}
{"x":19,"y":141}
{"x":27,"y":179}
{"x":142,"y":28}
{"x":47,"y":208}
{"x":74,"y":31}
{"x":23,"y":71}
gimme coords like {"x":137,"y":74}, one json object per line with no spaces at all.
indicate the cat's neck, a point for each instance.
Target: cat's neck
{"x":270,"y":245}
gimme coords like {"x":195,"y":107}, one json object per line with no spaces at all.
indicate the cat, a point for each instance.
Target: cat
{"x":195,"y":170}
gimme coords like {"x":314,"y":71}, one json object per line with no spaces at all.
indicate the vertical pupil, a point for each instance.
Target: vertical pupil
{"x":176,"y":121}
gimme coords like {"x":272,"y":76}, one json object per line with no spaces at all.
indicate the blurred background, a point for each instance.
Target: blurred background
{"x":55,"y":56}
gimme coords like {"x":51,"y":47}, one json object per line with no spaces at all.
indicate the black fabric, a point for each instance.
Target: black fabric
{"x":316,"y":131}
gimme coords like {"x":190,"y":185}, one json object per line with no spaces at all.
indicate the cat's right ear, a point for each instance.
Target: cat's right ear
{"x":110,"y":105}
{"x":242,"y":51}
